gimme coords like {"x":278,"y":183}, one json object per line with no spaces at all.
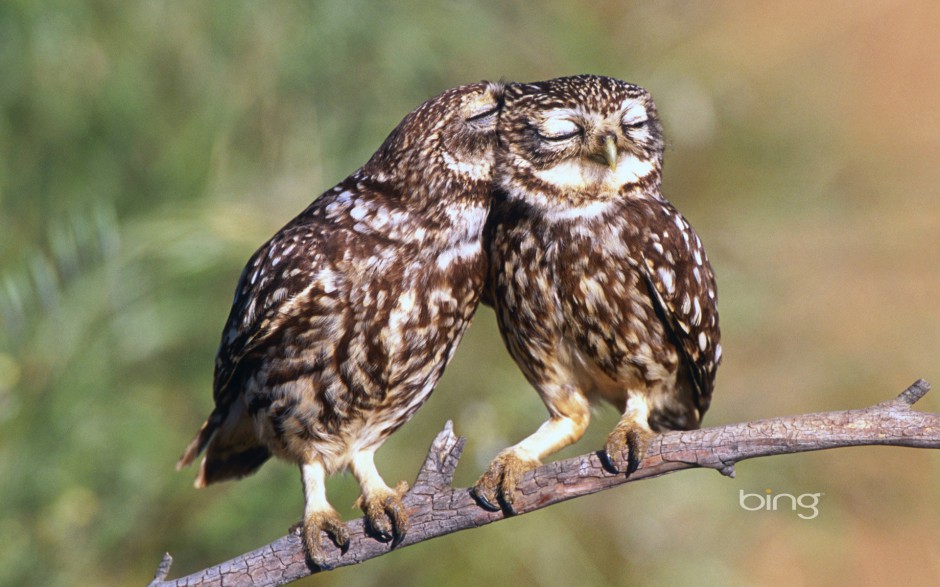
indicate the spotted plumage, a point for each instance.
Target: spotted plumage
{"x":601,"y":288}
{"x":343,"y":322}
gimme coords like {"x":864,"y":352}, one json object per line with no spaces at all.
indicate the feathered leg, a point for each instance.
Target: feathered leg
{"x":570,"y":414}
{"x":381,"y":504}
{"x":319,"y":515}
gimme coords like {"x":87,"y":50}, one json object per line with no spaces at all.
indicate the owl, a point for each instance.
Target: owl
{"x":601,"y":288}
{"x":343,"y":322}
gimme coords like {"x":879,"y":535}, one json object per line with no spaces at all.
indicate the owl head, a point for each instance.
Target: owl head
{"x":585,"y":135}
{"x":448,"y":138}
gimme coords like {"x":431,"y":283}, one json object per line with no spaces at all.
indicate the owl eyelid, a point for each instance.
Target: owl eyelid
{"x":561,"y":137}
{"x":635,"y":123}
{"x":485,"y":114}
{"x":558,"y":129}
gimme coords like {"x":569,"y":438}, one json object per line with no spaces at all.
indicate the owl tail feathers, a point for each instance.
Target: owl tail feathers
{"x":232,"y":449}
{"x":197,"y":444}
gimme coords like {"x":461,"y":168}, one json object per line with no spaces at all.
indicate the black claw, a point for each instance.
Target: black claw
{"x":340,"y":538}
{"x":313,"y":564}
{"x":383,"y":534}
{"x":483,"y":501}
{"x":636,"y":449}
{"x":343,"y":545}
{"x":397,"y":538}
{"x":399,"y":530}
{"x":608,"y":462}
{"x":315,"y":560}
{"x":633,"y":463}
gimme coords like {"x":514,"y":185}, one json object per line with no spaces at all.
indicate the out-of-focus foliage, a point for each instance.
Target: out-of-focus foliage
{"x":146,"y":148}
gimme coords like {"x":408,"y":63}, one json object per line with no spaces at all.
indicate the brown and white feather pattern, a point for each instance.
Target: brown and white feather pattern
{"x":588,"y":284}
{"x":343,"y":322}
{"x":602,"y":290}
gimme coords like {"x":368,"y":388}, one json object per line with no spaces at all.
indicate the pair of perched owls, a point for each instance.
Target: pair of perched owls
{"x":544,"y":199}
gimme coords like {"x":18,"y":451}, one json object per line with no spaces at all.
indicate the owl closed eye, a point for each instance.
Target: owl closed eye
{"x":601,"y":288}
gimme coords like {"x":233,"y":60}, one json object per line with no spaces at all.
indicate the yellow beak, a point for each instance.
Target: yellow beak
{"x":610,"y":152}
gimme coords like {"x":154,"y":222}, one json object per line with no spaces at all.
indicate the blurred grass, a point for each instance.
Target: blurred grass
{"x":147,"y":148}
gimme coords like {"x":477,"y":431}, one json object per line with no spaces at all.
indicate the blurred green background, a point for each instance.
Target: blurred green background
{"x":147,"y":148}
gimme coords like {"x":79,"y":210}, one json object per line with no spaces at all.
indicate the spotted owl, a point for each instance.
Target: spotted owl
{"x":343,"y":322}
{"x":601,"y":288}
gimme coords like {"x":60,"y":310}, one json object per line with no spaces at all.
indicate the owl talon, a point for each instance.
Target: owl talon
{"x":386,"y":516}
{"x":496,"y":489}
{"x":630,"y":435}
{"x":328,"y":522}
{"x":486,"y":502}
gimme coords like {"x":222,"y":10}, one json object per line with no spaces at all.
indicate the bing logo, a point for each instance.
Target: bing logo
{"x":805,"y":505}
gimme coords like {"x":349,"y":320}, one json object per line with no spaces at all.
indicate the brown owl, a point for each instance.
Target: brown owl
{"x":601,"y":288}
{"x":343,"y":322}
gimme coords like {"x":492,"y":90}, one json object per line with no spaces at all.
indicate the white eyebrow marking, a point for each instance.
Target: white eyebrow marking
{"x":634,"y":112}
{"x":558,"y":125}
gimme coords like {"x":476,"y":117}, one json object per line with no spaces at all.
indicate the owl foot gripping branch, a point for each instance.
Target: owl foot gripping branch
{"x":601,"y":288}
{"x":344,"y":320}
{"x":544,"y":200}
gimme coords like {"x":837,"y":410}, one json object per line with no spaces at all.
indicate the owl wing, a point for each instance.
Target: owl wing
{"x":293,"y":261}
{"x":500,"y":209}
{"x":282,"y":272}
{"x":679,"y":276}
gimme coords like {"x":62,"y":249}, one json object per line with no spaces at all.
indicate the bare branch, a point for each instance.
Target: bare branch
{"x":435,"y":508}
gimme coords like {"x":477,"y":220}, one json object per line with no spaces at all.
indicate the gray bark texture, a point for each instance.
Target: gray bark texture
{"x":436,"y":508}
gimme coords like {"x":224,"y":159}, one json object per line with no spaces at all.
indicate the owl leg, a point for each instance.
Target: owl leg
{"x":319,"y":515}
{"x":631,"y":432}
{"x":382,"y":505}
{"x":569,"y":420}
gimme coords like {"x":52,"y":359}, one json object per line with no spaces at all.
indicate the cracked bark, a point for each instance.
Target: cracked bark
{"x":435,"y":508}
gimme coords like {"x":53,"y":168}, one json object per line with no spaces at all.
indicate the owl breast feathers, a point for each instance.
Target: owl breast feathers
{"x":544,"y":198}
{"x":602,"y":290}
{"x":343,"y":322}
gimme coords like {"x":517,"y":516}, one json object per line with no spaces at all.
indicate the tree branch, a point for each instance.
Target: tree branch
{"x":435,"y":508}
